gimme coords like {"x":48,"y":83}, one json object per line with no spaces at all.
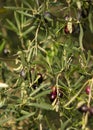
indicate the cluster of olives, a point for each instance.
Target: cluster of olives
{"x":55,"y":93}
{"x":84,"y":108}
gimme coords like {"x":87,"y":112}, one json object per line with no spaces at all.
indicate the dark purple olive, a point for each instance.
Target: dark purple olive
{"x":83,"y":108}
{"x":35,"y":86}
{"x":40,"y":80}
{"x":84,"y":13}
{"x":91,"y":110}
{"x":53,"y":96}
{"x":60,"y":94}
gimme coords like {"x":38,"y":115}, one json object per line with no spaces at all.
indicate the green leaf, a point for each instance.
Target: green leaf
{"x":38,"y":89}
{"x":12,"y":26}
{"x":25,"y":116}
{"x":14,"y":8}
{"x":90,"y":18}
{"x":29,"y":30}
{"x":22,"y":57}
{"x":89,"y":57}
{"x":81,"y":37}
{"x":78,"y":81}
{"x":42,"y":94}
{"x":64,"y":124}
{"x":2,"y":103}
{"x":2,"y":46}
{"x":17,"y":20}
{"x":74,"y":97}
{"x":25,"y":13}
{"x":42,"y":105}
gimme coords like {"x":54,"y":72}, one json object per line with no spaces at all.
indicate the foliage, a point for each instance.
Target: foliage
{"x":45,"y":48}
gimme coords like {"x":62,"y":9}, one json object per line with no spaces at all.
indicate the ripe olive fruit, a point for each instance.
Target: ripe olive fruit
{"x":34,"y":86}
{"x":53,"y":96}
{"x":87,"y":90}
{"x":91,"y":110}
{"x":83,"y":108}
{"x":40,"y":79}
{"x":60,"y":94}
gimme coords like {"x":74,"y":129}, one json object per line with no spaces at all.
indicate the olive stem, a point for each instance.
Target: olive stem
{"x":85,"y":121}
